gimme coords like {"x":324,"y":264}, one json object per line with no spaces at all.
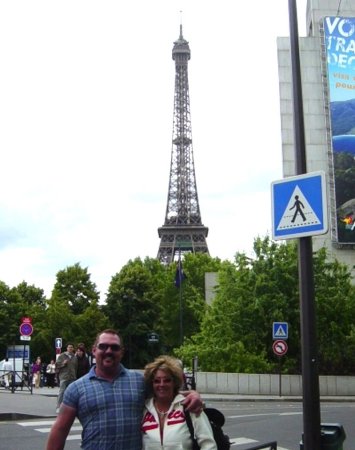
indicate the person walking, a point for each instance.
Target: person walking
{"x":66,"y":366}
{"x":7,"y":372}
{"x":108,"y":401}
{"x":36,"y":372}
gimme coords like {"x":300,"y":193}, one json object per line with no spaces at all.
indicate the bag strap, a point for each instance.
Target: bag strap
{"x":189,"y":423}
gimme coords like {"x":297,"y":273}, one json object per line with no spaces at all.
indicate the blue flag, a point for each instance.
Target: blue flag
{"x":180,"y":275}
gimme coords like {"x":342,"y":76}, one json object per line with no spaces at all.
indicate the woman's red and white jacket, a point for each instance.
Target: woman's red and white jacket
{"x":175,"y":431}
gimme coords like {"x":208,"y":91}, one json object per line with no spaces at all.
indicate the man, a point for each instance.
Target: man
{"x":7,"y":368}
{"x":66,"y":365}
{"x":108,"y":402}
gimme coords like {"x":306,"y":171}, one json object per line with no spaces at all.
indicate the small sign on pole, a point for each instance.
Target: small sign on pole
{"x":280,"y":347}
{"x":280,"y":330}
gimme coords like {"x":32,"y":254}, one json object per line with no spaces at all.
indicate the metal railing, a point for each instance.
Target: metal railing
{"x":18,"y":379}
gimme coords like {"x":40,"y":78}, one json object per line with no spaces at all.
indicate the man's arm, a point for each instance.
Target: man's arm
{"x":192,"y":402}
{"x":61,"y":361}
{"x":61,"y":428}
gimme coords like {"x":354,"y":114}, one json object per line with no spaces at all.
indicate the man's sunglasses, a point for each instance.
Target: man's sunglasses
{"x":104,"y":347}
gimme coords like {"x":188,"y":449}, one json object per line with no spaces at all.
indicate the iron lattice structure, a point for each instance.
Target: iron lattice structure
{"x":183,"y":230}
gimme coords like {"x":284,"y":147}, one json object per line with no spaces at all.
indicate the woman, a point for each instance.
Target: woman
{"x":83,"y":361}
{"x":164,"y":424}
{"x":50,"y":374}
{"x":36,"y":372}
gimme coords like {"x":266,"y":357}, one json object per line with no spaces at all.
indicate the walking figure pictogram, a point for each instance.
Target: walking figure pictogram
{"x":298,"y":204}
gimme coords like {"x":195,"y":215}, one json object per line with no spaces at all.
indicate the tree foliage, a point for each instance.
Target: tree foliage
{"x":133,"y":307}
{"x":232,"y":334}
{"x":254,"y":293}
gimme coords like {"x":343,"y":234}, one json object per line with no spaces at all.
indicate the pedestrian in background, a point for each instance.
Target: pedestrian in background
{"x":83,"y":361}
{"x":50,"y":374}
{"x":7,"y":371}
{"x":66,"y":366}
{"x":36,"y":372}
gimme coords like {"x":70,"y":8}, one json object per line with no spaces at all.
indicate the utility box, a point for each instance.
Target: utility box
{"x":332,"y":436}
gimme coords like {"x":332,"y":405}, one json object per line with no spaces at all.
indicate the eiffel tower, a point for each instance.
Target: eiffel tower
{"x":183,"y":231}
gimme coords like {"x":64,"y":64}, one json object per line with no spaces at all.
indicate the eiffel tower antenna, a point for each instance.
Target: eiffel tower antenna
{"x":183,"y":231}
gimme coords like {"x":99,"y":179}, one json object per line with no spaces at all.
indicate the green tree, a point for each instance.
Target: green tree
{"x":10,"y":316}
{"x":74,"y":287}
{"x":335,"y":306}
{"x":15,"y":303}
{"x":133,"y":307}
{"x":67,"y":310}
{"x":253,"y":293}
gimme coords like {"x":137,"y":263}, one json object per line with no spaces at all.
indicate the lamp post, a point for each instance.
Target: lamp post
{"x":130,"y":299}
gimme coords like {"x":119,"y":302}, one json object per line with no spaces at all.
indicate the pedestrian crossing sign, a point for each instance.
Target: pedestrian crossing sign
{"x":299,"y":206}
{"x":280,"y":330}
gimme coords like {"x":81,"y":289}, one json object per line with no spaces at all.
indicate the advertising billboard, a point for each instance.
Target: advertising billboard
{"x":339,"y":35}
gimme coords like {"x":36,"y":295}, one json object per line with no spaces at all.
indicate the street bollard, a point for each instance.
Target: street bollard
{"x":332,"y":436}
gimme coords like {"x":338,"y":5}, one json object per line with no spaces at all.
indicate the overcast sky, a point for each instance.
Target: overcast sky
{"x":86,"y":113}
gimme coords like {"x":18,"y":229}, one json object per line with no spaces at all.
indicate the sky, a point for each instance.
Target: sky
{"x":86,"y":116}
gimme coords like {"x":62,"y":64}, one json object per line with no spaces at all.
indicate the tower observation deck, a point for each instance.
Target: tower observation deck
{"x":183,"y":230}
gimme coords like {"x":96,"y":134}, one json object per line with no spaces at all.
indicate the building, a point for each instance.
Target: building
{"x":327,"y":60}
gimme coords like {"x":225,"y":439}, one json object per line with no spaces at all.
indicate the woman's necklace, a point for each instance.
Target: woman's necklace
{"x":161,"y":413}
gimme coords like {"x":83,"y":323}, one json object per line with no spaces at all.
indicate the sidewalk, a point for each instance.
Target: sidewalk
{"x":42,"y":403}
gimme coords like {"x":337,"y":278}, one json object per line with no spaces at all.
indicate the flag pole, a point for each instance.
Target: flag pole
{"x":180,"y":300}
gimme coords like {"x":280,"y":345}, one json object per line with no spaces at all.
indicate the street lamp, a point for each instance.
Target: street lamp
{"x":130,"y":299}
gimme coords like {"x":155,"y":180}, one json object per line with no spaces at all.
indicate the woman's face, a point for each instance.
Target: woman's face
{"x":163,"y":385}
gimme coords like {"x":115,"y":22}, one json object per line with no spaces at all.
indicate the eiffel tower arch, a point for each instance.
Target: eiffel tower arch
{"x":183,"y":230}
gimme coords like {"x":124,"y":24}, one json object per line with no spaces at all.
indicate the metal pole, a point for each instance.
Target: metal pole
{"x":181,"y":314}
{"x":280,"y":379}
{"x":310,"y":381}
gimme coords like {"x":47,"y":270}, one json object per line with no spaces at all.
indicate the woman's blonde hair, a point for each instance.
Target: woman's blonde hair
{"x":167,"y":364}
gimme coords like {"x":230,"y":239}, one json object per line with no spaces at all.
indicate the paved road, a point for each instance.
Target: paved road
{"x":26,"y":419}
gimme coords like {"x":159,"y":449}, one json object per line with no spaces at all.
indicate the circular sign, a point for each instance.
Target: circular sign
{"x":279,"y":347}
{"x":153,"y":337}
{"x":26,"y":329}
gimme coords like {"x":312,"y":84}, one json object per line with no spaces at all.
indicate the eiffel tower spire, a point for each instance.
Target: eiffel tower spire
{"x":183,"y":230}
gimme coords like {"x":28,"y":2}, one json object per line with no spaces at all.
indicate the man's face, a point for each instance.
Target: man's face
{"x":70,"y":349}
{"x":108,"y":358}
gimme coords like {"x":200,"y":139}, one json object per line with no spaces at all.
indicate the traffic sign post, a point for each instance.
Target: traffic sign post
{"x":280,"y":348}
{"x":310,"y":381}
{"x":26,"y":328}
{"x":280,"y":330}
{"x":299,"y":206}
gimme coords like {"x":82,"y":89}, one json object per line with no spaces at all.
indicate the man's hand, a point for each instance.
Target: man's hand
{"x":192,"y":402}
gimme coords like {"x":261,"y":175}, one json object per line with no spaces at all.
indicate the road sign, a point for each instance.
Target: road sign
{"x":280,"y":330}
{"x":153,"y":337}
{"x":58,"y":342}
{"x":299,"y":206}
{"x":25,"y":338}
{"x":26,"y":329}
{"x":279,"y":347}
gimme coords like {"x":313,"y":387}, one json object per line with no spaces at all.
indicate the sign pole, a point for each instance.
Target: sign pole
{"x":310,"y":381}
{"x":280,"y":389}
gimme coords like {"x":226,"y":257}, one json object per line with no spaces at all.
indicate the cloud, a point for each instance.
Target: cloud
{"x":87,"y":93}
